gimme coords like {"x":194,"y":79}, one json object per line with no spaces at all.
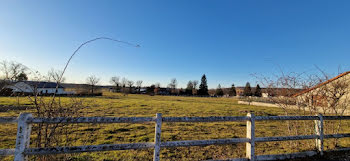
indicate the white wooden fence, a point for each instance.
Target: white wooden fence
{"x":25,"y":120}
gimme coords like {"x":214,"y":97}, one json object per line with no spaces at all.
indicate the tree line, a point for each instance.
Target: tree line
{"x":14,"y":72}
{"x":193,"y":88}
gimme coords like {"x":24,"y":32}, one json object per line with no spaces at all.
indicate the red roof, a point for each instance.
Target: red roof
{"x":321,"y":84}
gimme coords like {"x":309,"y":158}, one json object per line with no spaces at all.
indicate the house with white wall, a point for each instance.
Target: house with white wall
{"x":37,"y":87}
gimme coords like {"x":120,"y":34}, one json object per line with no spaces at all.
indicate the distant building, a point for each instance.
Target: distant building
{"x":143,"y":90}
{"x":29,"y":87}
{"x":265,"y":95}
{"x":162,"y":91}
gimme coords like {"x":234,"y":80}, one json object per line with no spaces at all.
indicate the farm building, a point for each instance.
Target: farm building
{"x":37,"y":87}
{"x":333,"y":92}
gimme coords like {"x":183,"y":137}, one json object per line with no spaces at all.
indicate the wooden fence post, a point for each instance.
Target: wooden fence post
{"x":319,"y":132}
{"x":250,"y":146}
{"x":23,"y":136}
{"x":157,"y":137}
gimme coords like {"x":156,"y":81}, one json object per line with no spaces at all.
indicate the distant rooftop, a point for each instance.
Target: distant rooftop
{"x":323,"y":83}
{"x":40,"y":84}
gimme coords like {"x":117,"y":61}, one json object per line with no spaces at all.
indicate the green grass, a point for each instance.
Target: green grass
{"x":115,"y":105}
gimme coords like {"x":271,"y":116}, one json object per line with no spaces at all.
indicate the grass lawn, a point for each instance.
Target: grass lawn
{"x":115,"y":105}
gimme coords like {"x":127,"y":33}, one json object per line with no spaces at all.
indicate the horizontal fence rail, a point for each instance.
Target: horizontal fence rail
{"x":25,"y":121}
{"x":99,"y":120}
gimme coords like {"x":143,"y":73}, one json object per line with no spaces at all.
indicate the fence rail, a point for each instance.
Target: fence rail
{"x":25,"y":121}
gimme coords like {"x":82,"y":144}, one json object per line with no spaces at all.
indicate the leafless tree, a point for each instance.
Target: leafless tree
{"x":54,"y":75}
{"x":321,"y":95}
{"x":123,"y":83}
{"x":92,"y":81}
{"x":11,"y":70}
{"x":115,"y":82}
{"x":281,"y":89}
{"x":130,"y":83}
{"x":331,"y":96}
{"x":195,"y":83}
{"x":172,"y":85}
{"x":139,"y":85}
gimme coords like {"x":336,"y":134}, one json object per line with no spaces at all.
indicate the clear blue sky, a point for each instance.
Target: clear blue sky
{"x":183,"y":39}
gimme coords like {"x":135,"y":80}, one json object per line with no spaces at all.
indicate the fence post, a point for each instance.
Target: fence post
{"x":23,"y":136}
{"x":157,"y":137}
{"x":319,"y":132}
{"x":250,"y":146}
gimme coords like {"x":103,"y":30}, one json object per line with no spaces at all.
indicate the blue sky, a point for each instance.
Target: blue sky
{"x":226,"y":40}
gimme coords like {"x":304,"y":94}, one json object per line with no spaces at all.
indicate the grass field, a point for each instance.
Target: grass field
{"x":142,"y":105}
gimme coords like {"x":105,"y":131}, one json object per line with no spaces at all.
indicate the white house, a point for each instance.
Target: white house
{"x":37,"y":87}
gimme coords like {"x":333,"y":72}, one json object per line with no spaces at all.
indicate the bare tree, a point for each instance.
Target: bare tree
{"x":115,"y":82}
{"x":328,"y":97}
{"x":281,"y":88}
{"x":139,"y":85}
{"x":11,"y":70}
{"x":92,"y":81}
{"x":55,"y":75}
{"x":123,"y":84}
{"x":172,"y":85}
{"x":130,"y":83}
{"x":320,"y":95}
{"x":194,"y":83}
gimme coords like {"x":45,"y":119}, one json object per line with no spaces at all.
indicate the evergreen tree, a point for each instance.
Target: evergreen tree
{"x":203,"y":87}
{"x":219,"y":91}
{"x":258,"y":91}
{"x":247,"y":90}
{"x":22,"y":77}
{"x":233,"y":90}
{"x":151,"y":90}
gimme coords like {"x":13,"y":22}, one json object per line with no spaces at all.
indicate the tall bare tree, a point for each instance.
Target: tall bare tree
{"x":92,"y":81}
{"x":115,"y":81}
{"x":55,"y":75}
{"x":124,"y":82}
{"x":11,"y":70}
{"x":139,"y":85}
{"x":130,"y":83}
{"x":172,"y":85}
{"x":195,"y":83}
